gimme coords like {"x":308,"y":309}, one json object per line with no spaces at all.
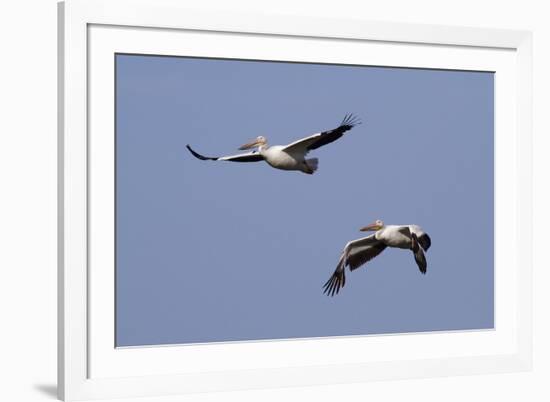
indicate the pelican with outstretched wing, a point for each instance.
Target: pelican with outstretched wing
{"x":358,"y":252}
{"x":287,"y":157}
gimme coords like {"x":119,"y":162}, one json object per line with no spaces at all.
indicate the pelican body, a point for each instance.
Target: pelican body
{"x":287,"y":157}
{"x":279,"y":158}
{"x":358,"y":252}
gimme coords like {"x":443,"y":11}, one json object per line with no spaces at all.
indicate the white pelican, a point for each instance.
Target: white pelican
{"x":360,"y":251}
{"x":287,"y":157}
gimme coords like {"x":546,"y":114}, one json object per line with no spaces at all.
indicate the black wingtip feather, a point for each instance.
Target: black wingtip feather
{"x":327,"y":287}
{"x":425,"y":241}
{"x":199,"y":156}
{"x":419,"y":256}
{"x":334,"y":284}
{"x":350,"y":121}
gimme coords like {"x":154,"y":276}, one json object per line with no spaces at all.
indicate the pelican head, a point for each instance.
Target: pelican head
{"x":257,"y":142}
{"x":376,"y":225}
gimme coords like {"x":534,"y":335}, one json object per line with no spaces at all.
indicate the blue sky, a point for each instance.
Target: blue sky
{"x":212,"y":251}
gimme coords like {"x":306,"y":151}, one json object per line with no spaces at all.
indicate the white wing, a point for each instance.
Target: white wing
{"x":246,"y":157}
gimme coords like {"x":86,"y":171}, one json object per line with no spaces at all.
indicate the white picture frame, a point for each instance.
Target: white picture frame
{"x":90,"y":32}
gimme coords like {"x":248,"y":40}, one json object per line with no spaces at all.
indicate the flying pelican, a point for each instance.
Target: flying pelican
{"x":360,"y":251}
{"x":287,"y":157}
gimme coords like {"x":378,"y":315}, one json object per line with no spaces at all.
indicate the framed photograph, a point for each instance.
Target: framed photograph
{"x":216,"y":169}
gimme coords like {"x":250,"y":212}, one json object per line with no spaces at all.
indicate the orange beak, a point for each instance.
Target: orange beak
{"x":249,"y":145}
{"x":369,"y":228}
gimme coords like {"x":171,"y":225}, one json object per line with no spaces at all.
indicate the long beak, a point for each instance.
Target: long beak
{"x":370,"y":228}
{"x":252,"y":144}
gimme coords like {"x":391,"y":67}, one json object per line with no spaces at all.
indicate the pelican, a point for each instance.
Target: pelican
{"x":360,"y":251}
{"x":287,"y":157}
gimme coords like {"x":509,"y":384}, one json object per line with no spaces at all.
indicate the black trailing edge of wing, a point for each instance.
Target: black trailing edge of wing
{"x":327,"y":137}
{"x":252,"y":157}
